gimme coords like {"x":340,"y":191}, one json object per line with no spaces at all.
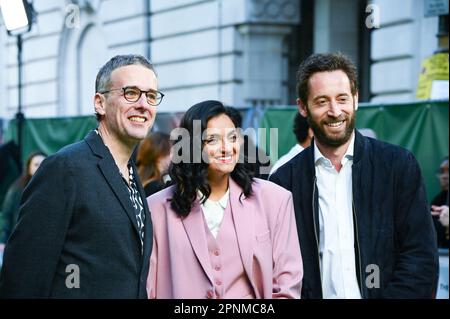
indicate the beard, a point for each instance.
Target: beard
{"x":332,"y":139}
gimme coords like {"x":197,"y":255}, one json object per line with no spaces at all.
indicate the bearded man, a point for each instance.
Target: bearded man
{"x":362,"y":215}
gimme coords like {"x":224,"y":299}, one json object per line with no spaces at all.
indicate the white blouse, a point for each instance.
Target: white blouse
{"x":214,"y":211}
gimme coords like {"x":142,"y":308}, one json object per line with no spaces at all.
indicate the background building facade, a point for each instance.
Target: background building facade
{"x":243,"y":52}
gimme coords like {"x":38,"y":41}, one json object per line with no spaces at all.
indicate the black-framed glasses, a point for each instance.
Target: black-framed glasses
{"x":133,"y":94}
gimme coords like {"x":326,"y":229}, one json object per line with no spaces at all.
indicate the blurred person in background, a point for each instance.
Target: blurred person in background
{"x":303,"y":134}
{"x":10,"y":208}
{"x":10,"y":167}
{"x":439,"y":206}
{"x":152,"y":161}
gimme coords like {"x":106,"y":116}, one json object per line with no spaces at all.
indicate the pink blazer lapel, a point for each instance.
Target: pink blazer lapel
{"x":194,"y":227}
{"x":245,"y":232}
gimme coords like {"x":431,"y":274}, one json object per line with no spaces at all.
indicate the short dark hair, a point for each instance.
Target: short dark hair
{"x":301,"y":128}
{"x":103,"y":79}
{"x":323,"y":62}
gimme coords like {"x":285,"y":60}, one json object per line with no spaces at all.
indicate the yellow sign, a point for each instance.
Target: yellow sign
{"x":434,"y":68}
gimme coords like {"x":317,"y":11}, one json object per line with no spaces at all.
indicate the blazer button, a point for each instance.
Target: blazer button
{"x":210,"y":294}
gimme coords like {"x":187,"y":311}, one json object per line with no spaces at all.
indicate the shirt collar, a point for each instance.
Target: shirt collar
{"x":222,"y":202}
{"x":319,"y":158}
{"x":351,"y":147}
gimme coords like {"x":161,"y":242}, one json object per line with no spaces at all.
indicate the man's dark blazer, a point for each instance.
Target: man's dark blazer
{"x":393,"y":229}
{"x":76,"y":214}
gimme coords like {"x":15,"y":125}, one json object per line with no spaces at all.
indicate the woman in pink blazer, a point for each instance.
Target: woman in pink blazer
{"x":218,"y":232}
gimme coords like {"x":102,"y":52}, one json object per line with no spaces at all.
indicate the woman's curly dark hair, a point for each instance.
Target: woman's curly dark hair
{"x":190,"y":174}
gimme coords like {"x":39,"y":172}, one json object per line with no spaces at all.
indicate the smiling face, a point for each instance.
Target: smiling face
{"x":221,"y":145}
{"x":127,"y":122}
{"x":330,"y":108}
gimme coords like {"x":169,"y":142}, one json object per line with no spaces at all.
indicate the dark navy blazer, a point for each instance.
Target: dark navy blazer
{"x":77,"y":219}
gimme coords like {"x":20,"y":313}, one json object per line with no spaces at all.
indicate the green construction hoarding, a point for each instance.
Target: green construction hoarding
{"x":420,"y":127}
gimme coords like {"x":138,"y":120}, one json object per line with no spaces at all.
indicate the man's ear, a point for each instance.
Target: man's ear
{"x":301,"y":108}
{"x":99,"y":104}
{"x":356,"y":100}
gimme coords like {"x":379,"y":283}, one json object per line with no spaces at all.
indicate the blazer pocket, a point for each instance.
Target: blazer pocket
{"x":261,"y":238}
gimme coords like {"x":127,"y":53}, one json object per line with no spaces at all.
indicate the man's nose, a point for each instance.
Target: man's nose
{"x":334,"y":109}
{"x":142,"y":102}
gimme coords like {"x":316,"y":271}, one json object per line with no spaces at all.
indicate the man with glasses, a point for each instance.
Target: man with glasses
{"x":84,"y":228}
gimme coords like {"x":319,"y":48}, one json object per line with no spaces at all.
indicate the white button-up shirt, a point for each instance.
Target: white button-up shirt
{"x":338,"y":268}
{"x":214,"y":211}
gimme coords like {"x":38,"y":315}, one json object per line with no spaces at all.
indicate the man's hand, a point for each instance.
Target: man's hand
{"x":442,"y":212}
